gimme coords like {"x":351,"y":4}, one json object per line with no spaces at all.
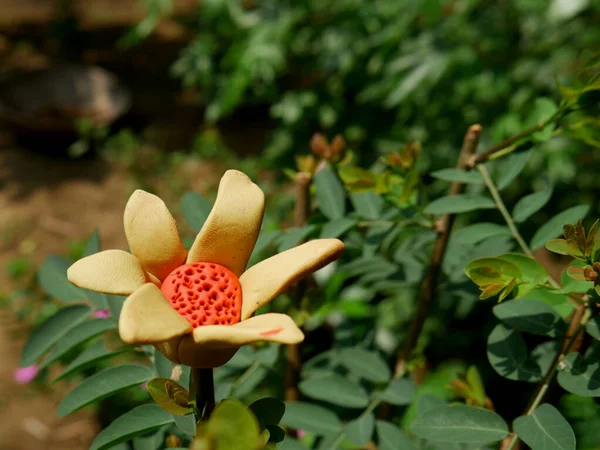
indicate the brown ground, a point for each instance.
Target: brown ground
{"x":45,"y":200}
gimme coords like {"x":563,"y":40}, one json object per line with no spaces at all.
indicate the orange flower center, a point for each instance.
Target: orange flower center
{"x":204,"y":294}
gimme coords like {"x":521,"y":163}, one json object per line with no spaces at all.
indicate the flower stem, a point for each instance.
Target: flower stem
{"x":204,"y":391}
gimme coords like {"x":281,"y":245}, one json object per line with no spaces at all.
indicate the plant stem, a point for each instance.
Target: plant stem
{"x":502,"y":207}
{"x":482,"y":157}
{"x":204,"y":391}
{"x":508,"y":218}
{"x":429,"y":286}
{"x":575,"y":329}
{"x":294,"y":357}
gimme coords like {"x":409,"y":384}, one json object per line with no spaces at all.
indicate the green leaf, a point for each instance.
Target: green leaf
{"x":458,"y":175}
{"x":593,"y":327}
{"x":289,"y":443}
{"x":359,"y":431}
{"x":186,"y":424}
{"x":311,"y":418}
{"x":276,"y":433}
{"x":511,"y":167}
{"x":390,"y":437}
{"x":52,"y":276}
{"x":530,"y":204}
{"x":545,"y":429}
{"x":137,"y":422}
{"x":103,"y":384}
{"x":330,"y":194}
{"x":400,"y":391}
{"x":427,"y":402}
{"x":92,"y":355}
{"x":335,"y":389}
{"x":507,"y":354}
{"x":293,"y":237}
{"x":367,"y":204}
{"x":473,"y":234}
{"x":365,"y":364}
{"x":580,"y":376}
{"x":268,"y":411}
{"x":150,"y":441}
{"x":486,"y":271}
{"x":455,"y":204}
{"x":544,"y":108}
{"x":170,"y":396}
{"x":531,"y":270}
{"x":93,"y":244}
{"x":195,"y":209}
{"x":335,"y":228}
{"x":231,"y":426}
{"x":531,"y":316}
{"x":532,"y":273}
{"x":562,"y":247}
{"x":50,"y":331}
{"x":553,"y":227}
{"x":77,"y":336}
{"x":460,"y":424}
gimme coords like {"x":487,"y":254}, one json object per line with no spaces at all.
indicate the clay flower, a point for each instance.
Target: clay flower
{"x":197,"y":307}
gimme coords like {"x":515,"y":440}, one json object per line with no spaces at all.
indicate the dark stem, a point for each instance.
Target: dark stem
{"x":429,"y":286}
{"x":570,"y":342}
{"x":294,"y":357}
{"x":483,"y":157}
{"x":204,"y":391}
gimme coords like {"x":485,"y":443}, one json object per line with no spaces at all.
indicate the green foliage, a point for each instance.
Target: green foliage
{"x":545,"y":429}
{"x":137,"y":422}
{"x":460,"y":424}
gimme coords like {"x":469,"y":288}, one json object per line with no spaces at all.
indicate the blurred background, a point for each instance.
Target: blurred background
{"x":99,"y":97}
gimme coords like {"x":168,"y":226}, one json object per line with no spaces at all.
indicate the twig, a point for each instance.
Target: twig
{"x":429,"y":287}
{"x":509,"y":220}
{"x":502,"y":208}
{"x":204,"y":391}
{"x":294,"y":358}
{"x":483,"y":157}
{"x":575,"y":329}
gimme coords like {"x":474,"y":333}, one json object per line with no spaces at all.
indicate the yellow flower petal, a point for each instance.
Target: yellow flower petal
{"x":269,"y":278}
{"x":148,"y":318}
{"x":111,"y":271}
{"x":230,"y":232}
{"x":152,"y":234}
{"x":214,"y":345}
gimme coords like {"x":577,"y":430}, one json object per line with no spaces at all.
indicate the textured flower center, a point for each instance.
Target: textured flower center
{"x":204,"y":294}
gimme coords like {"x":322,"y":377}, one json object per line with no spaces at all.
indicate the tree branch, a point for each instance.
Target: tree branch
{"x":429,"y":286}
{"x":570,"y":342}
{"x":294,"y":357}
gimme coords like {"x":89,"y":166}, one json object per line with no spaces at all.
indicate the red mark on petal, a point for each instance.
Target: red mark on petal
{"x":271,"y":332}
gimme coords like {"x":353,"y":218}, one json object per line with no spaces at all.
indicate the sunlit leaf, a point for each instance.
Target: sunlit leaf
{"x":170,"y":396}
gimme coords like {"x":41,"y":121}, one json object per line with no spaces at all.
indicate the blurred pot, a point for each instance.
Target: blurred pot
{"x":52,"y":100}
